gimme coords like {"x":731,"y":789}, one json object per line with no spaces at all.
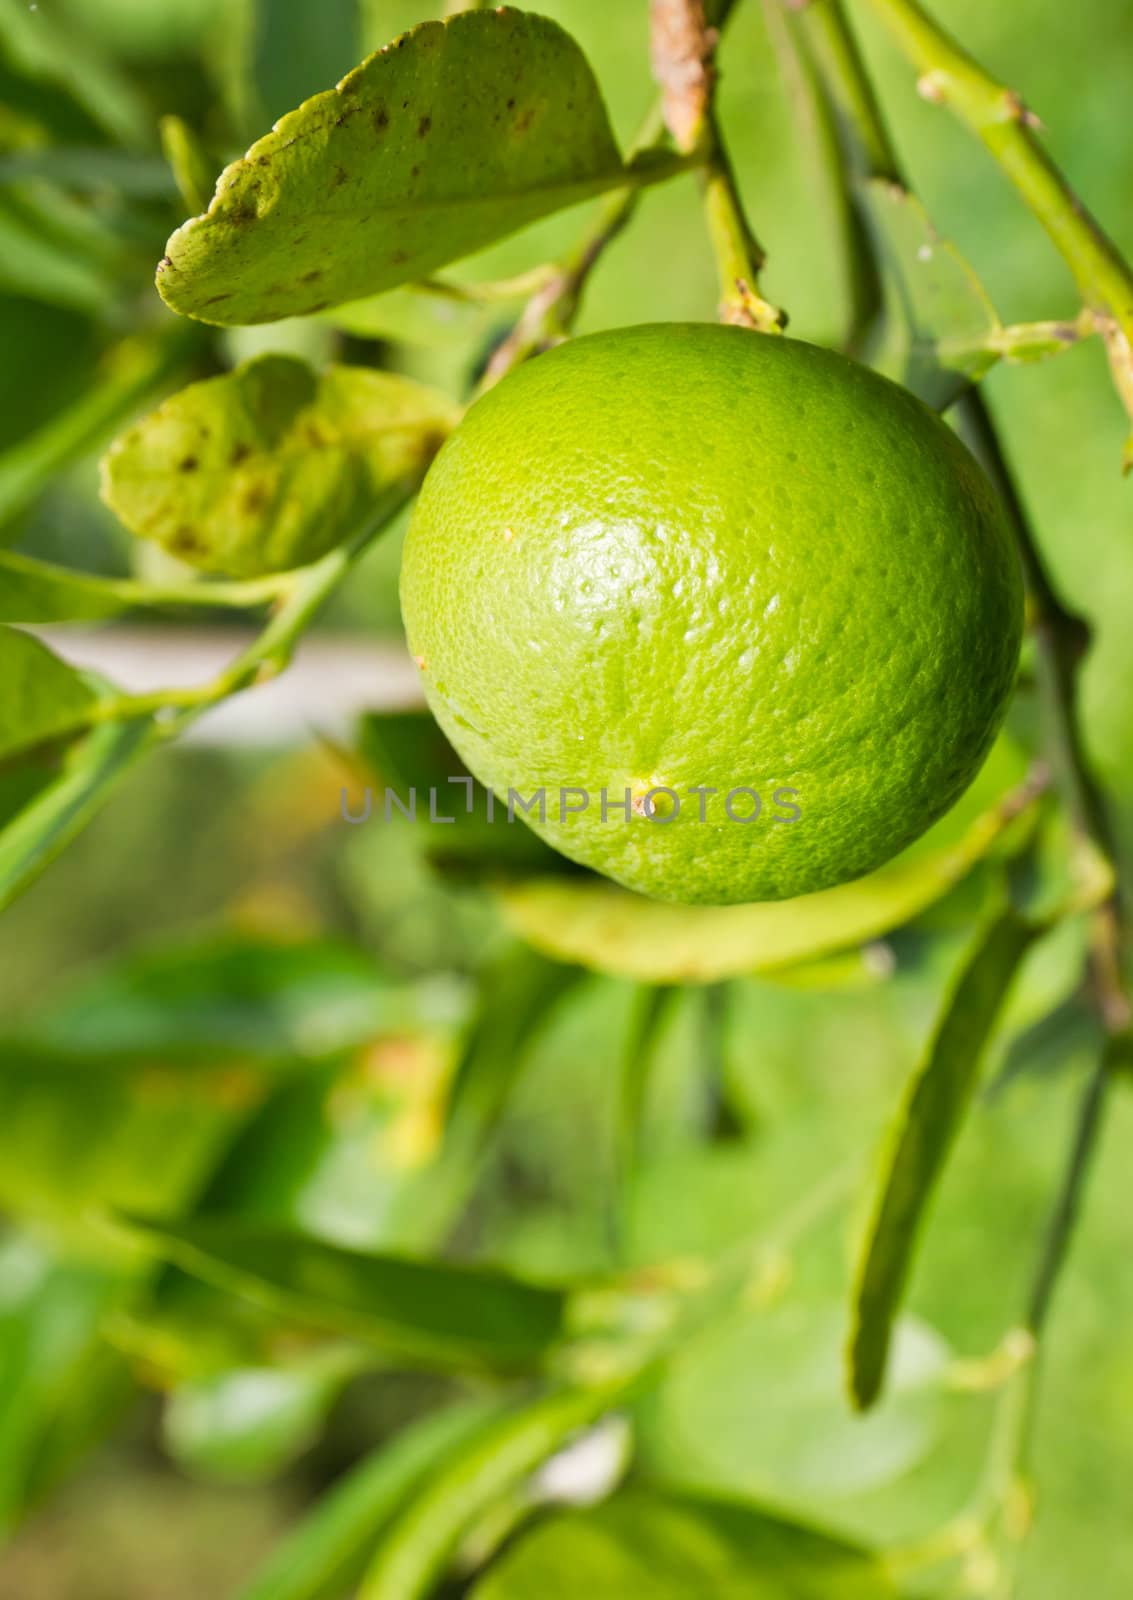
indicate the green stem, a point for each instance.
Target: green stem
{"x":998,"y":116}
{"x":739,"y":255}
{"x":550,"y":313}
{"x":265,"y":658}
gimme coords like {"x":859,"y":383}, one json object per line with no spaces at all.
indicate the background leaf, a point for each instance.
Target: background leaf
{"x":939,"y":322}
{"x":327,"y":1551}
{"x":679,"y":1548}
{"x":422,"y":1312}
{"x":454,"y":135}
{"x":938,"y":1096}
{"x":272,"y":465}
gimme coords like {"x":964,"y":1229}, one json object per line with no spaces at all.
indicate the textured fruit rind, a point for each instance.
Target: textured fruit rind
{"x":690,"y":556}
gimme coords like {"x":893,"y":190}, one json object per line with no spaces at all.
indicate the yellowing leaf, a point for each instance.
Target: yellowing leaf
{"x":450,"y":137}
{"x":272,"y":465}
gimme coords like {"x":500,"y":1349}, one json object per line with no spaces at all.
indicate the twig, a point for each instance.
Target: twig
{"x":549,"y":315}
{"x":683,"y":54}
{"x":1001,"y":119}
{"x":682,"y":46}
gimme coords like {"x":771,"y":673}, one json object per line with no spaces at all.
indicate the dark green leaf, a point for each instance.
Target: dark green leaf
{"x":423,"y":1312}
{"x":327,"y":1552}
{"x":922,"y":1137}
{"x":272,"y":465}
{"x":296,"y":49}
{"x":673,"y":1547}
{"x":453,"y":136}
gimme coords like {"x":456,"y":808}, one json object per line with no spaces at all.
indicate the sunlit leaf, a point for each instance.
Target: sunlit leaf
{"x":42,"y":696}
{"x":423,"y":1312}
{"x":613,"y":930}
{"x":940,"y":325}
{"x":453,"y":136}
{"x":922,"y":1137}
{"x":272,"y":465}
{"x":672,"y":1547}
{"x":328,"y":1550}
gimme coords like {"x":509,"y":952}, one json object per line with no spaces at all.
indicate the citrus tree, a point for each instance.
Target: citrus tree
{"x":696,"y":1217}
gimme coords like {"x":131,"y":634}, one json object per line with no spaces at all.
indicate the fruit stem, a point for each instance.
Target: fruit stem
{"x":999,"y":117}
{"x":683,"y":54}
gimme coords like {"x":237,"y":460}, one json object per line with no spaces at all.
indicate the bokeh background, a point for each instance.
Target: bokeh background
{"x":126,"y":1474}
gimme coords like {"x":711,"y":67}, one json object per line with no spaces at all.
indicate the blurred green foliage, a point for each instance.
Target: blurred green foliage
{"x":222,"y":1003}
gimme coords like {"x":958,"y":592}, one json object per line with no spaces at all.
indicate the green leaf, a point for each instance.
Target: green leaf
{"x":40,"y":47}
{"x":936,"y":1100}
{"x":519,"y":991}
{"x":296,"y":49}
{"x":451,"y":137}
{"x":940,"y":327}
{"x":80,"y":1132}
{"x":247,"y":1425}
{"x":127,"y":375}
{"x":423,"y":1312}
{"x":48,"y":823}
{"x":50,"y":1312}
{"x":327,"y":1552}
{"x":757,"y":1408}
{"x":43,"y":697}
{"x":672,"y":1547}
{"x":272,"y":465}
{"x":234,"y":997}
{"x":415,"y":1549}
{"x":190,"y":167}
{"x":599,"y":925}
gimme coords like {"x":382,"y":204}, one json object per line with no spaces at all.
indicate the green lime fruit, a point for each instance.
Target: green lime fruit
{"x":728,"y":617}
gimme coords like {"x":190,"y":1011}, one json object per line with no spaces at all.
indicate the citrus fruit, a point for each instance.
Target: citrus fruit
{"x":727,"y":616}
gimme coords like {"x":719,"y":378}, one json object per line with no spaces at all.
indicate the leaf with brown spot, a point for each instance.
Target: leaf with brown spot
{"x":286,"y":462}
{"x":432,"y":100}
